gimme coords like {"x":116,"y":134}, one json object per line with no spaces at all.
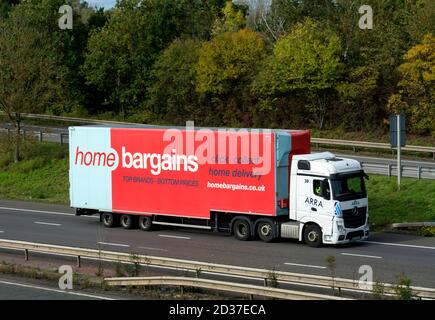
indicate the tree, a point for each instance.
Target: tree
{"x":284,"y":14}
{"x":121,"y":54}
{"x":422,"y":19}
{"x":30,"y":77}
{"x":416,"y":88}
{"x":226,"y":67}
{"x":266,"y":19}
{"x":172,"y":96}
{"x":69,"y":45}
{"x":6,"y":6}
{"x":356,"y":99}
{"x":233,"y":19}
{"x":305,"y":63}
{"x":228,"y":59}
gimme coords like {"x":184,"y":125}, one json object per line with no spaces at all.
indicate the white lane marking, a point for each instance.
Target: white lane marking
{"x":1,"y":231}
{"x":398,"y":244}
{"x":175,"y":237}
{"x":304,"y":265}
{"x":48,"y":223}
{"x":114,"y":244}
{"x":55,"y":290}
{"x":150,"y":248}
{"x":42,"y":211}
{"x":361,"y":255}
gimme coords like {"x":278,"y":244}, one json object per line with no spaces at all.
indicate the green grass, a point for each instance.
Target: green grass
{"x":43,"y":176}
{"x":414,"y":202}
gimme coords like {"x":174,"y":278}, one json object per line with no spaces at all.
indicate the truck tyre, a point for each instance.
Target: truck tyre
{"x":108,"y":219}
{"x":265,"y":231}
{"x":145,"y":223}
{"x":313,"y":235}
{"x":127,"y":221}
{"x":242,"y":230}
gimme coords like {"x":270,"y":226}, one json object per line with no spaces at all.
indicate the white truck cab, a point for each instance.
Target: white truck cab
{"x":328,"y":199}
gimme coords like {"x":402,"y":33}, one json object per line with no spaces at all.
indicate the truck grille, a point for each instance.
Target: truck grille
{"x":354,"y":234}
{"x":354,"y":219}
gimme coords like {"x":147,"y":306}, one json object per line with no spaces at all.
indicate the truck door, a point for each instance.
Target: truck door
{"x":313,"y":203}
{"x":317,"y":202}
{"x":310,"y":201}
{"x":321,"y":207}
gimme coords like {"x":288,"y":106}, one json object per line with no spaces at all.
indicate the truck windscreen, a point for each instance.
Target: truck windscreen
{"x":348,"y":187}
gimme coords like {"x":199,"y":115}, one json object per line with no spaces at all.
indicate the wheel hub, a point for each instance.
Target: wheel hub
{"x":242,"y":229}
{"x":313,"y":236}
{"x":266,"y":229}
{"x":125,"y":220}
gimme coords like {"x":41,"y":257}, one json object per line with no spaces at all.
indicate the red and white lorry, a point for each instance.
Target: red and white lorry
{"x":247,"y":182}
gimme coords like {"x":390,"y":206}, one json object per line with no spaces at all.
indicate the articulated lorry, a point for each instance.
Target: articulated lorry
{"x":250,"y":183}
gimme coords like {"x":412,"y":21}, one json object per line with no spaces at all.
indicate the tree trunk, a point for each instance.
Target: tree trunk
{"x":17,"y":137}
{"x":322,"y":111}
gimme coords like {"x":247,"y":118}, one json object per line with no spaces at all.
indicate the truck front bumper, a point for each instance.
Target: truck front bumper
{"x":348,"y":235}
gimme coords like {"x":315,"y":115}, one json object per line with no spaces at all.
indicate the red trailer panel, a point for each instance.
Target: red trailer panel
{"x":193,"y":193}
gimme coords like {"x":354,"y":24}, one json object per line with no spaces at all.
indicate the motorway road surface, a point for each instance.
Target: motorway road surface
{"x":388,"y":254}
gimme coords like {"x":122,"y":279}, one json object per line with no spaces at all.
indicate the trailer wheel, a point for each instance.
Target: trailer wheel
{"x":127,"y":221}
{"x":145,"y":223}
{"x":108,"y":219}
{"x":313,"y":235}
{"x":242,"y":230}
{"x":265,"y":231}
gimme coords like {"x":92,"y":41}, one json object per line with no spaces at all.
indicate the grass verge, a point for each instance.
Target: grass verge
{"x":42,"y":174}
{"x":415,"y":201}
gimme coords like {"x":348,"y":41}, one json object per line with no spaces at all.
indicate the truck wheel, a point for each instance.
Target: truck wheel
{"x":145,"y":223}
{"x":108,"y":219}
{"x":265,"y":231}
{"x":313,"y":235}
{"x":242,"y":230}
{"x":126,"y":221}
